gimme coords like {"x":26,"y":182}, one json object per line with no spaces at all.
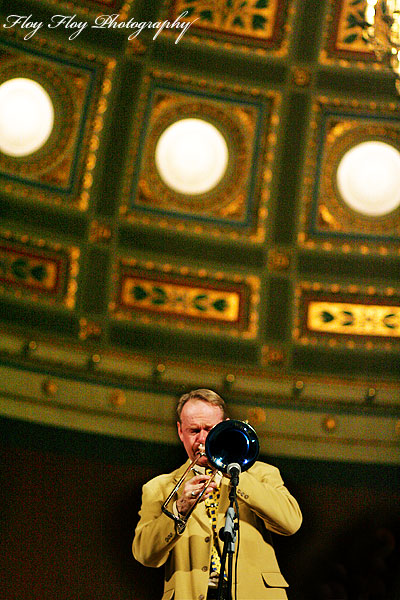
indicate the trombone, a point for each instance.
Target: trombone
{"x":230,"y":442}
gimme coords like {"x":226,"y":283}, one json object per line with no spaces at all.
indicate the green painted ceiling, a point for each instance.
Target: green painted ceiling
{"x":110,"y":279}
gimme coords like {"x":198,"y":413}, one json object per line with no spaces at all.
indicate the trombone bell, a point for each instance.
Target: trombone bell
{"x":232,"y":441}
{"x":228,"y":442}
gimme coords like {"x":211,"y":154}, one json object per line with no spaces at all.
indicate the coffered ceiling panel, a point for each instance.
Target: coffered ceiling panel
{"x":37,"y":269}
{"x":328,"y":220}
{"x":343,"y":36}
{"x":191,"y":299}
{"x":258,"y":25}
{"x":237,"y":205}
{"x":93,"y":8}
{"x":60,"y":171}
{"x":348,"y":315}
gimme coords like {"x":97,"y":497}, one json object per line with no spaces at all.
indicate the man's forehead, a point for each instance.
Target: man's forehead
{"x":198,"y":411}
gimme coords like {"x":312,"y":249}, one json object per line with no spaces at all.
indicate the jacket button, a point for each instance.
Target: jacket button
{"x":204,"y":569}
{"x":207,"y":539}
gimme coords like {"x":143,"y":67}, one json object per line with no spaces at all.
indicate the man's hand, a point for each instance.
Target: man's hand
{"x":191,"y":490}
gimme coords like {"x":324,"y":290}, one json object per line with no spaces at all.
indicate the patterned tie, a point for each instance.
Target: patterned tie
{"x":211,"y":503}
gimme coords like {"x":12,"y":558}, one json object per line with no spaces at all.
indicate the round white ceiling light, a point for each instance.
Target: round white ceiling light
{"x":368,"y":178}
{"x":26,"y":116}
{"x":191,"y":156}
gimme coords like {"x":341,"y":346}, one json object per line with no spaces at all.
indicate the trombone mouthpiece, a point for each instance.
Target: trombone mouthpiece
{"x":201,"y":451}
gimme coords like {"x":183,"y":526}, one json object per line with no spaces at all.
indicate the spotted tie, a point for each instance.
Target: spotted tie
{"x":211,"y":503}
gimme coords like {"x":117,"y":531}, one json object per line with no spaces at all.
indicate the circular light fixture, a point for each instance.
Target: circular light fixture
{"x":368,"y":178}
{"x":191,"y":156}
{"x":26,"y":116}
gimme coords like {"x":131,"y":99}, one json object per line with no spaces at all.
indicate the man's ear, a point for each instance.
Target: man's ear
{"x":179,"y":430}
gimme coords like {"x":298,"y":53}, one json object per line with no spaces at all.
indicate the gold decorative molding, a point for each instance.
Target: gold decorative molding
{"x":89,"y":329}
{"x":94,"y":406}
{"x":347,"y":315}
{"x":100,"y":233}
{"x":326,"y":221}
{"x":125,"y":369}
{"x":188,"y":298}
{"x":301,"y":76}
{"x":227,"y":200}
{"x":135,"y":47}
{"x":329,"y":424}
{"x":343,"y":40}
{"x":37,"y":269}
{"x":279,"y":259}
{"x":272,"y":356}
{"x":194,"y":301}
{"x":256,"y":415}
{"x":62,"y":171}
{"x":118,"y":398}
{"x":354,"y":319}
{"x":238,"y":205}
{"x":93,"y":8}
{"x":50,"y":387}
{"x":261,"y":27}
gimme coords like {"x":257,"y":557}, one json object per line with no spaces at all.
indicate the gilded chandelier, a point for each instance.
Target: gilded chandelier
{"x":382,"y":32}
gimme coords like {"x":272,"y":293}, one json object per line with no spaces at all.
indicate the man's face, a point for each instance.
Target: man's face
{"x":197,"y":418}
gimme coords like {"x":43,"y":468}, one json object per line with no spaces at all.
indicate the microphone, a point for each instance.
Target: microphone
{"x":234,"y":471}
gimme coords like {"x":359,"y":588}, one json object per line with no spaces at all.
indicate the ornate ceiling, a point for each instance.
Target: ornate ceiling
{"x":118,"y":292}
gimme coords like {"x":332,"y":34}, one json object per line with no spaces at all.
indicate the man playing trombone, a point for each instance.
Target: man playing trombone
{"x":188,"y":543}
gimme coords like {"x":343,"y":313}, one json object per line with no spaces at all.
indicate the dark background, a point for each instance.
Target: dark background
{"x":69,"y":504}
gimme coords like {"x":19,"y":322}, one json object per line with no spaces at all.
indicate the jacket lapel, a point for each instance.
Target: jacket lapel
{"x":223,"y":507}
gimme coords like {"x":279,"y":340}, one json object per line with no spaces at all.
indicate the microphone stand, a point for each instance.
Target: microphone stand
{"x":228,"y":536}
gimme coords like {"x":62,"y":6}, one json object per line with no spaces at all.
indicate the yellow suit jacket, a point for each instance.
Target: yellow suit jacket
{"x":265,"y":506}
